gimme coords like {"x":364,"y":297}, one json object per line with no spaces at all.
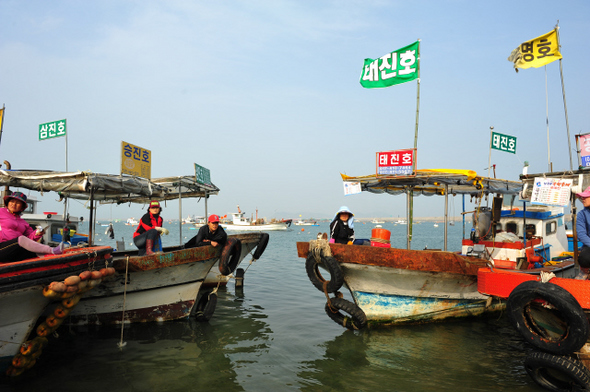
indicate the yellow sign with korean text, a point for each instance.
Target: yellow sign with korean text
{"x":536,"y":52}
{"x":136,"y":161}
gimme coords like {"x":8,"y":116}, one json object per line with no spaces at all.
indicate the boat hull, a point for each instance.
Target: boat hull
{"x":267,"y":227}
{"x":398,"y":286}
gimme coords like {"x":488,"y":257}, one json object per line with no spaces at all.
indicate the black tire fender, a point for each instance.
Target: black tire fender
{"x":205,"y":306}
{"x":533,"y":298}
{"x":336,"y":277}
{"x":557,"y":372}
{"x":239,"y":275}
{"x":261,"y":246}
{"x":230,"y":256}
{"x":357,"y":319}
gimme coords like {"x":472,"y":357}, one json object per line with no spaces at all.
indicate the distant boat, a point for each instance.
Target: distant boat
{"x":241,"y":223}
{"x":131,"y":222}
{"x":435,"y":224}
{"x":377,"y":221}
{"x":306,"y":223}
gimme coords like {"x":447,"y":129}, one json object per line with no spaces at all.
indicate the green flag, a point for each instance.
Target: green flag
{"x":394,"y":68}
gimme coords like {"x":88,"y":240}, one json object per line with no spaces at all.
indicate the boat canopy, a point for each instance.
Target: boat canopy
{"x":431,"y":182}
{"x":106,"y":188}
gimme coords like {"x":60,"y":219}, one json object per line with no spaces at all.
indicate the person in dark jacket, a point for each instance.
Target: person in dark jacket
{"x":342,"y":228}
{"x":149,"y":229}
{"x":583,"y":228}
{"x":210,"y":234}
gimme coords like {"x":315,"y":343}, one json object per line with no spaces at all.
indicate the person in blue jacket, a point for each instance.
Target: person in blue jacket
{"x":583,"y":228}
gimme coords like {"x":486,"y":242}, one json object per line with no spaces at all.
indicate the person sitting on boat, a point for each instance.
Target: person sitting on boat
{"x":341,"y":228}
{"x":583,"y":228}
{"x":149,"y":229}
{"x":210,"y":234}
{"x":18,"y":240}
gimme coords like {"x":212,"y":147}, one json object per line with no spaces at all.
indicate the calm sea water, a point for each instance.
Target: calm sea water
{"x":275,"y":336}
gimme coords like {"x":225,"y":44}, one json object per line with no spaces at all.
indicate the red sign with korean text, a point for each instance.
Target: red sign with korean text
{"x":398,"y":162}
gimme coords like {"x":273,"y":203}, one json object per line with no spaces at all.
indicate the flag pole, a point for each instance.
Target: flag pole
{"x":411,"y":190}
{"x":2,"y":121}
{"x":547,"y":121}
{"x":490,"y":154}
{"x":567,"y":125}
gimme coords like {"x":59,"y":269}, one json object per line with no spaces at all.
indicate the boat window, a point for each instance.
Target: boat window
{"x":29,"y":209}
{"x":550,"y":227}
{"x":512,"y":227}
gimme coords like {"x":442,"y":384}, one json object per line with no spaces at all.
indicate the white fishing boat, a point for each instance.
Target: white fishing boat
{"x":131,"y":222}
{"x":241,"y":223}
{"x":156,"y":287}
{"x":377,"y":221}
{"x":404,"y":286}
{"x":301,"y":222}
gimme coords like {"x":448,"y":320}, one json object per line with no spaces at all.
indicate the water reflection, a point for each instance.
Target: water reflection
{"x":180,"y":355}
{"x":481,"y":355}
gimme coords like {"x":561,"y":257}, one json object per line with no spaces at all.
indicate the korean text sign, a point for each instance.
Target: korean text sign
{"x":394,"y":68}
{"x":584,"y":147}
{"x":551,"y":191}
{"x":136,"y":161}
{"x":52,"y":129}
{"x":503,"y":142}
{"x":398,"y":162}
{"x":537,"y":52}
{"x":203,"y":175}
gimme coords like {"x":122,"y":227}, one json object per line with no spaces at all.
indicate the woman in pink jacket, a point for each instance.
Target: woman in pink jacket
{"x":18,"y":240}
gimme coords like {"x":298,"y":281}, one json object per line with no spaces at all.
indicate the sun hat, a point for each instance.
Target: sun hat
{"x":16,"y":195}
{"x":213,"y":218}
{"x":154,"y":203}
{"x":586,"y":193}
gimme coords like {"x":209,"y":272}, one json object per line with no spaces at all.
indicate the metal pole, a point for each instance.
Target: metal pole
{"x":547,"y":121}
{"x":180,"y":208}
{"x":567,"y":125}
{"x":446,"y":214}
{"x":91,"y":223}
{"x":490,"y":154}
{"x":2,"y":121}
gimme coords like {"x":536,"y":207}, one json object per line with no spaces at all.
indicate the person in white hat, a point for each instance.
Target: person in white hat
{"x":342,"y":227}
{"x":583,"y":228}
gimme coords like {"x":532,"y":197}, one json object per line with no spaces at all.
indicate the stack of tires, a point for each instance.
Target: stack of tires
{"x":552,"y":320}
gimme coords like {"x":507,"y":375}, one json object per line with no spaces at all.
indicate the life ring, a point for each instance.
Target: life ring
{"x":533,"y":305}
{"x":230,"y":256}
{"x":205,"y":306}
{"x":261,"y":246}
{"x":357,"y":320}
{"x":336,"y":277}
{"x":557,"y":372}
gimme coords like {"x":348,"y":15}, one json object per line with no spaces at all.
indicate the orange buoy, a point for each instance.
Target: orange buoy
{"x":302,"y":229}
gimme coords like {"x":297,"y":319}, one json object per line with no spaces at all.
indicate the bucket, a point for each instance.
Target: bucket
{"x":380,"y":235}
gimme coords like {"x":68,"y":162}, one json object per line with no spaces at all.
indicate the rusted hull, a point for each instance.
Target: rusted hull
{"x":159,"y":287}
{"x":390,"y":296}
{"x":398,"y":286}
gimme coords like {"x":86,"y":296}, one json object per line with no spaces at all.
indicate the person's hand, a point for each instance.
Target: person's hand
{"x":214,"y":243}
{"x":163,"y":230}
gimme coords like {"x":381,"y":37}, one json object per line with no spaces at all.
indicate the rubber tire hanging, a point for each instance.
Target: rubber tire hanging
{"x":261,"y":246}
{"x":230,"y":256}
{"x":557,"y":372}
{"x":564,"y":308}
{"x":205,"y":306}
{"x":336,"y":277}
{"x":357,"y":319}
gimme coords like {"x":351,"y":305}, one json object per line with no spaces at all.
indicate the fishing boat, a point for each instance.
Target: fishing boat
{"x":377,"y":221}
{"x":131,"y":222}
{"x":241,"y":223}
{"x":24,"y":296}
{"x":163,"y":286}
{"x":403,"y":286}
{"x":301,"y":222}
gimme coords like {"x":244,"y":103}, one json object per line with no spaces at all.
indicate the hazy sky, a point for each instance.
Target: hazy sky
{"x":266,"y":94}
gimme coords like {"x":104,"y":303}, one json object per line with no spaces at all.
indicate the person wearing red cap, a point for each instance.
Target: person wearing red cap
{"x":18,"y":240}
{"x":148,"y":231}
{"x":211,"y":234}
{"x":583,"y":228}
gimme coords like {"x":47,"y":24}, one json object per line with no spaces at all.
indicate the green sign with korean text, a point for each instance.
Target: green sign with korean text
{"x":397,"y":67}
{"x":504,"y":142}
{"x":203,"y":175}
{"x":52,"y":129}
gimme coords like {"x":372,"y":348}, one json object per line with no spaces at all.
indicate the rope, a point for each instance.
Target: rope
{"x":122,"y":344}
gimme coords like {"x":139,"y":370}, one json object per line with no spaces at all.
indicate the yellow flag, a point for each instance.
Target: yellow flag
{"x":536,"y":52}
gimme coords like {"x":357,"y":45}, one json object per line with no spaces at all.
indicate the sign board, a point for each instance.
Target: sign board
{"x":551,"y":191}
{"x":52,"y":129}
{"x":503,"y":142}
{"x":584,"y":148}
{"x":352,"y":188}
{"x":136,"y":161}
{"x":398,"y":162}
{"x":203,"y":175}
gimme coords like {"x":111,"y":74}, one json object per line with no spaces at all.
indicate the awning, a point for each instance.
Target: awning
{"x":431,"y":182}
